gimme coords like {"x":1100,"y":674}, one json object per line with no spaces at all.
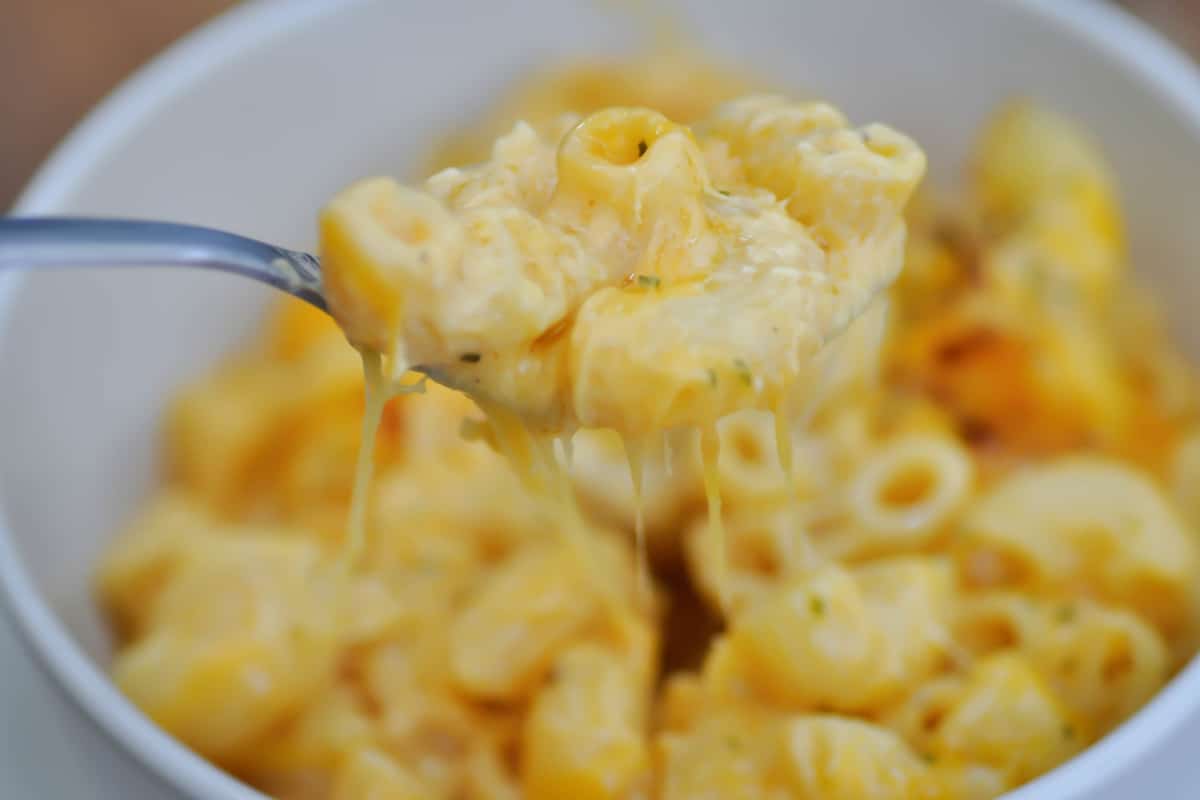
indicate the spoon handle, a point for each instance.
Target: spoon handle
{"x":49,"y":242}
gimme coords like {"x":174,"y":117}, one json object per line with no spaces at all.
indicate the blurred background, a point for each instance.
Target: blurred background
{"x":58,"y":57}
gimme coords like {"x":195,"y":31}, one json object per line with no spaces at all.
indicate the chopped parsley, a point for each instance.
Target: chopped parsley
{"x":723,"y":192}
{"x":743,"y":371}
{"x":1068,"y":731}
{"x":470,"y":358}
{"x":1066,"y":613}
{"x":712,"y":377}
{"x":816,"y":604}
{"x":649,"y":281}
{"x":642,"y":147}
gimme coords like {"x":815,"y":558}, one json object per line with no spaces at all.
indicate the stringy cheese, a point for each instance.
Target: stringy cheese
{"x":626,"y":272}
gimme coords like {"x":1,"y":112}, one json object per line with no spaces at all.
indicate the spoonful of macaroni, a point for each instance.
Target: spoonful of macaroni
{"x":617,"y":271}
{"x":623,"y":271}
{"x":626,"y":272}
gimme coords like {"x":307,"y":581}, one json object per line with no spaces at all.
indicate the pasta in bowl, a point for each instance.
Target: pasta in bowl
{"x":910,"y":611}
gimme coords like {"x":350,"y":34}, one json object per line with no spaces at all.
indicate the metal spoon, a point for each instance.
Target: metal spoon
{"x":38,"y":242}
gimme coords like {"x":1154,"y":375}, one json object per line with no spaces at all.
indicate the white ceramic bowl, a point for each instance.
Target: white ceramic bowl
{"x":249,"y":123}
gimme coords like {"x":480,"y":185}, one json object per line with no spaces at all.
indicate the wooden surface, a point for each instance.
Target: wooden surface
{"x":58,"y":57}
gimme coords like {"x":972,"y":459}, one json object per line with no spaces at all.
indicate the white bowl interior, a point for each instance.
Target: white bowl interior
{"x":256,"y":140}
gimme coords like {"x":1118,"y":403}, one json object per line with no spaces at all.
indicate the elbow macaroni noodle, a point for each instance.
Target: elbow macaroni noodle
{"x":969,"y":553}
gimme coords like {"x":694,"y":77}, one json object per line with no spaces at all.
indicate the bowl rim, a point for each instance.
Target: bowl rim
{"x":1159,"y":66}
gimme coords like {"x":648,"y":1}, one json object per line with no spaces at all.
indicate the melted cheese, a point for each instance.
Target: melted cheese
{"x":625,"y":271}
{"x":377,"y":391}
{"x":710,"y":451}
{"x":806,"y":558}
{"x":635,"y":454}
{"x":374,"y":399}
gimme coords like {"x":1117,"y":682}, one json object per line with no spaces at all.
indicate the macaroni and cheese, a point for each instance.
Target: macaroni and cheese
{"x":980,"y":556}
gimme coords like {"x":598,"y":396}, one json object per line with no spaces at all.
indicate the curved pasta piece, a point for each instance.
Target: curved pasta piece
{"x":371,"y":772}
{"x":584,"y":736}
{"x":841,"y":758}
{"x":880,"y":628}
{"x":794,"y":638}
{"x":988,"y":622}
{"x":219,"y":695}
{"x":1104,"y":663}
{"x":726,"y":755}
{"x":235,"y":643}
{"x":506,"y":638}
{"x":1042,"y":178}
{"x":910,"y":600}
{"x":333,"y":727}
{"x":757,"y":552}
{"x":1005,"y":715}
{"x":966,"y":781}
{"x":140,"y":561}
{"x":917,"y":716}
{"x":908,"y":491}
{"x":749,"y":469}
{"x":1093,"y":522}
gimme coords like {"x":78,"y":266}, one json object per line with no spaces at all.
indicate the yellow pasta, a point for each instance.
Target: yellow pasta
{"x":959,"y":530}
{"x":910,"y":601}
{"x":1092,"y":522}
{"x":585,"y":736}
{"x":988,"y":622}
{"x":909,"y":490}
{"x":669,"y":488}
{"x":1185,"y":477}
{"x":1005,"y":715}
{"x":334,"y":727}
{"x":794,"y":638}
{"x":139,"y":562}
{"x":373,"y":774}
{"x":1038,"y":173}
{"x":588,"y":277}
{"x":728,"y":755}
{"x":1104,"y":663}
{"x":848,"y":759}
{"x":505,"y":638}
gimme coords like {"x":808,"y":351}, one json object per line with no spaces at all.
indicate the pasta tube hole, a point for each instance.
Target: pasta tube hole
{"x":748,"y":448}
{"x":621,"y":137}
{"x":1118,"y":661}
{"x":909,"y":487}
